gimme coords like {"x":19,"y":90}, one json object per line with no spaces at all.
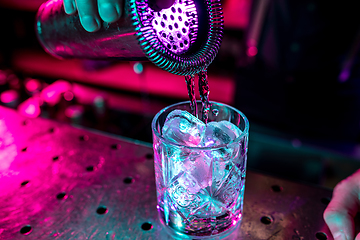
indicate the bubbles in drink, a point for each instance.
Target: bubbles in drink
{"x":190,"y":83}
{"x":204,"y":95}
{"x":215,"y":112}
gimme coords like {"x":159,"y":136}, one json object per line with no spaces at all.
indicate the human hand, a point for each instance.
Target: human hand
{"x":91,"y":12}
{"x":344,"y":205}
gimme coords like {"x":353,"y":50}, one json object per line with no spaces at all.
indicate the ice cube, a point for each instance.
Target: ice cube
{"x":220,"y":171}
{"x":192,"y":174}
{"x":199,"y":166}
{"x":183,"y":192}
{"x":233,"y":130}
{"x":188,"y":182}
{"x":175,"y":156}
{"x":178,"y":189}
{"x":230,"y":187}
{"x":220,"y":133}
{"x":183,"y":128}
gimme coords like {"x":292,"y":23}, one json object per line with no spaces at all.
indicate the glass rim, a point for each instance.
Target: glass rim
{"x":158,"y":135}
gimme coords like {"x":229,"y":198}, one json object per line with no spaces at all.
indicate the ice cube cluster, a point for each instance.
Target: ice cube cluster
{"x":194,"y":169}
{"x":185,"y":129}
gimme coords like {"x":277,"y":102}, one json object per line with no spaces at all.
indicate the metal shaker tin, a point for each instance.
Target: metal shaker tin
{"x":182,"y":39}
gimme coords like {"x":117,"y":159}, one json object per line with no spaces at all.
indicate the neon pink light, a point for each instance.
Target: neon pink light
{"x":52,"y":93}
{"x":68,"y":96}
{"x":32,"y":85}
{"x":223,"y":89}
{"x":8,"y":150}
{"x":74,"y":111}
{"x":9,"y":96}
{"x":49,"y":3}
{"x":30,"y":108}
{"x":252,"y":51}
{"x":116,"y":36}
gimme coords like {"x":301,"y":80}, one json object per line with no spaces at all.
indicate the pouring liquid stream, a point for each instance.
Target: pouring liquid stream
{"x":204,"y":94}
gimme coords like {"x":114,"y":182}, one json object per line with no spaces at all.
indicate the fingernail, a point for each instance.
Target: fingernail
{"x":339,"y":236}
{"x":89,"y":23}
{"x":73,"y":5}
{"x":108,"y":12}
{"x":69,"y":8}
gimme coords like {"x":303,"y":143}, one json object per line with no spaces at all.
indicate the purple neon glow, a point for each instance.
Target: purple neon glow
{"x":344,"y":75}
{"x":176,"y":26}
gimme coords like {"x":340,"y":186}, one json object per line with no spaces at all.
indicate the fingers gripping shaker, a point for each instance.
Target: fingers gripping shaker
{"x":182,"y":39}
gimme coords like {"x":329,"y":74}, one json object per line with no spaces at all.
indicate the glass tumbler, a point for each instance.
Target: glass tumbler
{"x":200,"y":189}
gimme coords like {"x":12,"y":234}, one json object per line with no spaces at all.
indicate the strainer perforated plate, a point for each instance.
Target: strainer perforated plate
{"x":183,"y":39}
{"x":176,"y":27}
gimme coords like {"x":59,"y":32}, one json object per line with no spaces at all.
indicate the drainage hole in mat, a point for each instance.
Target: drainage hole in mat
{"x":84,"y":138}
{"x":128,"y":180}
{"x":26,"y":122}
{"x":146,"y":226}
{"x":101,"y":210}
{"x":56,"y":158}
{"x":52,"y":130}
{"x":276,"y":188}
{"x":26,"y":230}
{"x":115,"y":146}
{"x":90,"y":168}
{"x":24,"y":183}
{"x":321,"y":236}
{"x":266,"y":220}
{"x":61,"y":196}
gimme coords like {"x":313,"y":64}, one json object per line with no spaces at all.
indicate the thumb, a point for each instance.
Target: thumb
{"x":339,"y":214}
{"x":340,"y":224}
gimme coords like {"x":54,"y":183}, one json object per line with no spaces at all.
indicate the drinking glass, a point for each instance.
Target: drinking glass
{"x":200,"y":190}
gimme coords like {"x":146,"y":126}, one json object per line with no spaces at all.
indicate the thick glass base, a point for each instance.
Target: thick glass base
{"x":219,"y":228}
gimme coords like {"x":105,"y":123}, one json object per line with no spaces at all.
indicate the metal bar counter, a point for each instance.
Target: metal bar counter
{"x":61,"y":182}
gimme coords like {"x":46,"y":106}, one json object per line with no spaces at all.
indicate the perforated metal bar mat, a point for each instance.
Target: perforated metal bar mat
{"x":61,"y":182}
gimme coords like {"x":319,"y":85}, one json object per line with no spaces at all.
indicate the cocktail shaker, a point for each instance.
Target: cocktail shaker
{"x":182,"y":39}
